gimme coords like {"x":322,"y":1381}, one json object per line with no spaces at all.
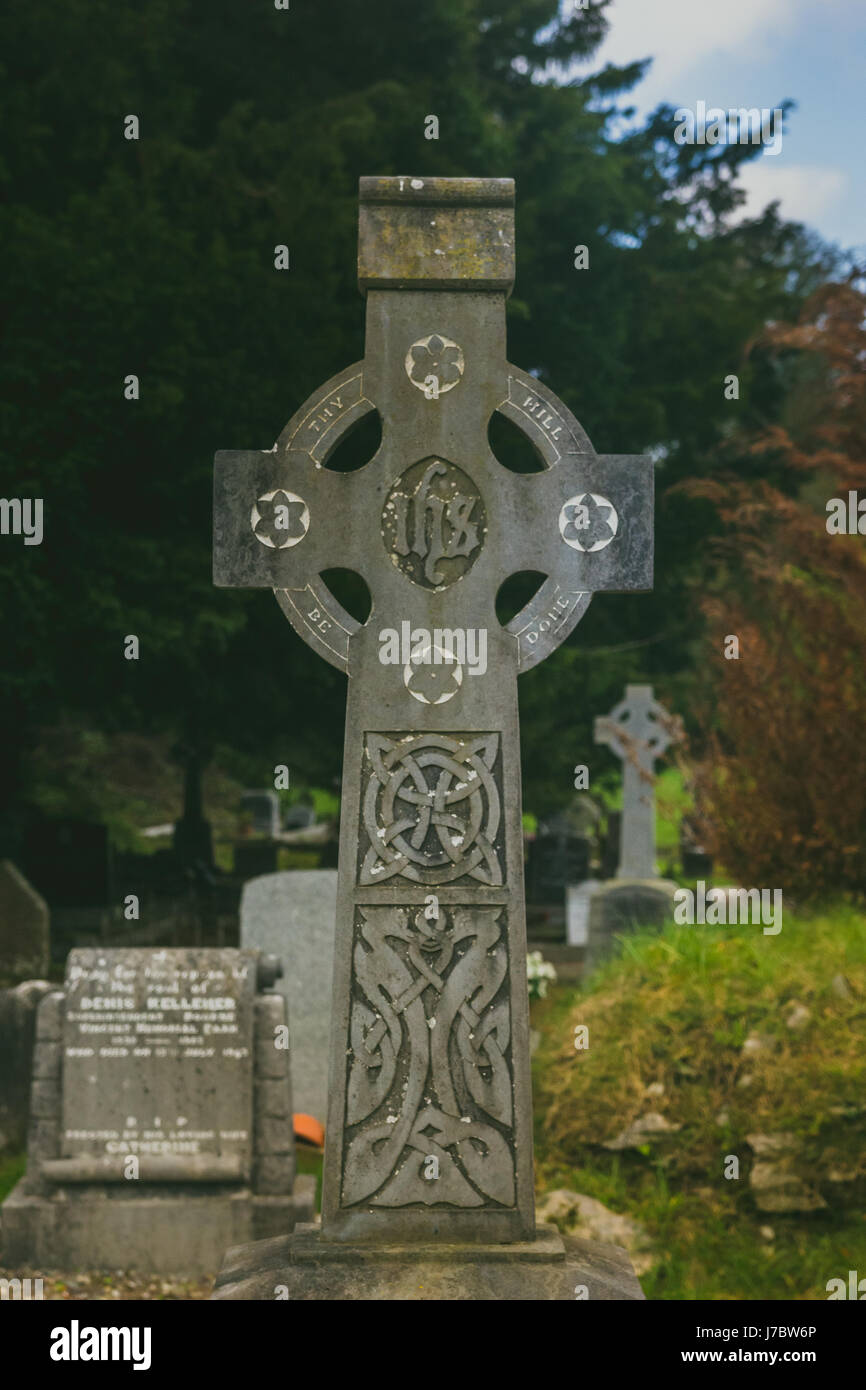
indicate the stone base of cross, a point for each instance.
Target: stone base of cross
{"x":428,"y":1178}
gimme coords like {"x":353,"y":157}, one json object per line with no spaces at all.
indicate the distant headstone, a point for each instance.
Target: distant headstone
{"x":262,"y":810}
{"x":638,"y":730}
{"x":160,"y":1115}
{"x":577,"y":903}
{"x":557,"y":857}
{"x":294,"y":916}
{"x":24,"y":928}
{"x":428,"y":1181}
{"x":299,"y":817}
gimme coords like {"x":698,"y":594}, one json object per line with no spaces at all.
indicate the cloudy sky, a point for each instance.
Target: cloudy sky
{"x":759,"y":53}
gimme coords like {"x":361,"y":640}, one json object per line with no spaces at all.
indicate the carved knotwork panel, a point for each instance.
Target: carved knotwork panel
{"x":431,"y":809}
{"x":429,"y":1100}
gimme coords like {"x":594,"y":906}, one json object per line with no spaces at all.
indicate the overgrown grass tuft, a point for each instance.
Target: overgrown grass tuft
{"x":674,"y":1012}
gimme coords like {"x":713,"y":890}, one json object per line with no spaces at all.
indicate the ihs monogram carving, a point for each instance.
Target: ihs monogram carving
{"x":434,"y":523}
{"x":431,"y":808}
{"x":430,"y":1061}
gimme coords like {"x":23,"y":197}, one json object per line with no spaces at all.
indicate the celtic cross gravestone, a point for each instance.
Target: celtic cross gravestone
{"x":428,"y":1136}
{"x":638,"y":730}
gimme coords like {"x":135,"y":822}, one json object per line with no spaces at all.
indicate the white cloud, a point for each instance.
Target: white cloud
{"x":804,"y":191}
{"x":678,"y":35}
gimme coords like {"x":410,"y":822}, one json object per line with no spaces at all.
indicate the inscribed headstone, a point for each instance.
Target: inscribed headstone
{"x":161,"y":1114}
{"x":158,"y":1055}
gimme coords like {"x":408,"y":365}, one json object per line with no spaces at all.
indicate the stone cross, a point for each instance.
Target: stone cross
{"x":429,"y":1125}
{"x":638,"y":730}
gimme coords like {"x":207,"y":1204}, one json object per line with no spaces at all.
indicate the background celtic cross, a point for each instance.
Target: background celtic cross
{"x":431,"y":783}
{"x":638,"y":730}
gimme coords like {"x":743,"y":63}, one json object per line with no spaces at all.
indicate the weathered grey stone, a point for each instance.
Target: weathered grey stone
{"x":429,"y":1131}
{"x":181,"y":1232}
{"x":776,"y":1186}
{"x":304,"y":1266}
{"x":158,"y":1083}
{"x":577,"y":1214}
{"x":24,"y":928}
{"x":293,"y":916}
{"x":638,"y":730}
{"x":775,"y":1183}
{"x":798,"y":1017}
{"x":771,"y":1145}
{"x":645,"y":1127}
{"x":759,"y":1042}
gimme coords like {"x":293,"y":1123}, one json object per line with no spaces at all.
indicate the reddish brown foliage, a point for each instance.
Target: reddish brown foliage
{"x":781,"y":785}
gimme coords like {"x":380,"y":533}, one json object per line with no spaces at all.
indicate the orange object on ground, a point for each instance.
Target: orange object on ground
{"x":309,"y":1131}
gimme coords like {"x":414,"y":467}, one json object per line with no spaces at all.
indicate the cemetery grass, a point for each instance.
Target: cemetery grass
{"x":667,"y":1024}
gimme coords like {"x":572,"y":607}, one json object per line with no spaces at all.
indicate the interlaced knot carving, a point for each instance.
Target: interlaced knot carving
{"x":431,"y":808}
{"x":430,"y":1073}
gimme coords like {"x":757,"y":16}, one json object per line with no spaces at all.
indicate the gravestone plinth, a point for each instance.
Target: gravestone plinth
{"x":638,"y":730}
{"x":621,"y":906}
{"x":160,"y":1116}
{"x":304,"y":1267}
{"x":293,"y":915}
{"x":428,"y":1154}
